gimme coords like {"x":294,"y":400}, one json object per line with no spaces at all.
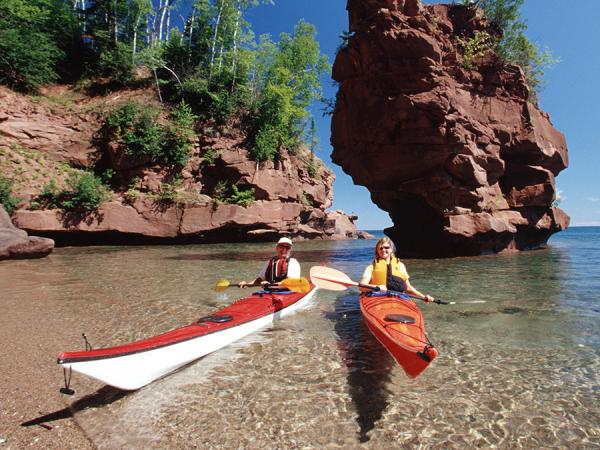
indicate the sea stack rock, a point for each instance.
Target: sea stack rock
{"x":461,"y":158}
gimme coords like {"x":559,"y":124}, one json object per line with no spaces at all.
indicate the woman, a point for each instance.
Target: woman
{"x":278,"y":268}
{"x":388,"y":273}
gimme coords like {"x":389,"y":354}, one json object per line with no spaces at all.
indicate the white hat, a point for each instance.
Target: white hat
{"x":284,"y":241}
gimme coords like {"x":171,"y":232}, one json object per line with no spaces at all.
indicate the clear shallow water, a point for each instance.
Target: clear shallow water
{"x":518,"y":371}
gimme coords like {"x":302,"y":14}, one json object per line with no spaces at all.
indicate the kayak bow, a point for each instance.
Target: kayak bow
{"x":132,"y":366}
{"x":398,"y":324}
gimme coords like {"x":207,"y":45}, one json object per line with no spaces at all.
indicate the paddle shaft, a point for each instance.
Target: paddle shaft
{"x":376,"y":288}
{"x":336,"y":277}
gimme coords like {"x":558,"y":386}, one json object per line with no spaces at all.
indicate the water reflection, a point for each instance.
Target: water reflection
{"x":369,"y":364}
{"x":519,"y":371}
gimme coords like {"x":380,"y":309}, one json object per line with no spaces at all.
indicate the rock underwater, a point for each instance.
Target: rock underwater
{"x":460,"y":158}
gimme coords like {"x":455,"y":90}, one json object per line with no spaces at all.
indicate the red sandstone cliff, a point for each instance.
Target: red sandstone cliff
{"x":461,"y":159}
{"x":42,"y":139}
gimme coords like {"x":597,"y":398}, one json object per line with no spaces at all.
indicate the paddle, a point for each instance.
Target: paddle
{"x":334,"y":280}
{"x":293,"y":284}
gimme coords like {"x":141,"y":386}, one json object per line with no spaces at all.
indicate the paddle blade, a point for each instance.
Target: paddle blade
{"x":330,"y":279}
{"x":222,"y":285}
{"x":297,"y":284}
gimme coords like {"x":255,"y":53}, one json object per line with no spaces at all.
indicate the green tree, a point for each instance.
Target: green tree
{"x":31,"y":34}
{"x":511,"y":44}
{"x":291,"y":83}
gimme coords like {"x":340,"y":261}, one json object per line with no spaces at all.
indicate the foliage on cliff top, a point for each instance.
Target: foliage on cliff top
{"x":508,"y":39}
{"x":213,"y":62}
{"x":34,"y":39}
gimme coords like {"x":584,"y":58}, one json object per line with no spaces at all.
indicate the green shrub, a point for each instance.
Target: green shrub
{"x":223,"y":194}
{"x":216,"y":99}
{"x":178,"y":134}
{"x":139,"y":131}
{"x":312,"y":167}
{"x":210,"y":155}
{"x":306,"y":199}
{"x":219,"y":193}
{"x":49,"y":197}
{"x":510,"y":43}
{"x":107,"y":176}
{"x":168,"y":193}
{"x":116,"y":63}
{"x":475,"y":47}
{"x":84,"y":192}
{"x":6,"y":198}
{"x":243,"y":197}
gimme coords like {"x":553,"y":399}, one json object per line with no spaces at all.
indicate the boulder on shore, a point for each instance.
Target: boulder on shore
{"x":16,"y":244}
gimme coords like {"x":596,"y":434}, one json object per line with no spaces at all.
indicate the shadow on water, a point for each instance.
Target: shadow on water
{"x":369,"y":364}
{"x":102,"y":397}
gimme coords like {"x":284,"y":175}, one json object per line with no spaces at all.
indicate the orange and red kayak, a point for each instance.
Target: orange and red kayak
{"x":396,"y":322}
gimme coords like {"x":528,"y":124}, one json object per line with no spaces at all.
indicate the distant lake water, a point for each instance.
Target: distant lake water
{"x":521,"y":370}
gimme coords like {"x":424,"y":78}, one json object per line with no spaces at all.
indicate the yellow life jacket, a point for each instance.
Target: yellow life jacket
{"x":380,"y":271}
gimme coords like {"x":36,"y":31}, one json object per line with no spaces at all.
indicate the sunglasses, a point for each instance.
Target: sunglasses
{"x":284,"y":246}
{"x":385,"y":247}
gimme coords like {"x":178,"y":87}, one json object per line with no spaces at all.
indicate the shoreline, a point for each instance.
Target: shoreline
{"x":34,"y":414}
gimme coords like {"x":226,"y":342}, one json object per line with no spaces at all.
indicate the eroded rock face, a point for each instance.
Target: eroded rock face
{"x":460,"y":159}
{"x":16,"y":244}
{"x":37,"y":138}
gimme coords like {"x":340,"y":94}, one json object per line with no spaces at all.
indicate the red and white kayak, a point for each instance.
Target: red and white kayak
{"x":397,"y":322}
{"x":134,"y":365}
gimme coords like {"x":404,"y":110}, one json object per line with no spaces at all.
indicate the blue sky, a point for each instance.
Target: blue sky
{"x":571,"y":96}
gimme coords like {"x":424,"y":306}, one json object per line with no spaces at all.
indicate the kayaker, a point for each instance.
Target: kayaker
{"x":277,"y":268}
{"x":388,"y":272}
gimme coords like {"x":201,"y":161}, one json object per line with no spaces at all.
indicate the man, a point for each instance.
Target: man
{"x":277,"y":268}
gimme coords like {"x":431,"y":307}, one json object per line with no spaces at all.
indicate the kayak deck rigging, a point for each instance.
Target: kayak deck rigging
{"x":133,"y":365}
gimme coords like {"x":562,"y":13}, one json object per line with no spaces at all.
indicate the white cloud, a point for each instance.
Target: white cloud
{"x":594,"y":199}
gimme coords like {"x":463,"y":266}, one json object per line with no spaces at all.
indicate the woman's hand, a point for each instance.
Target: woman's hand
{"x":242,"y":284}
{"x":382,"y":288}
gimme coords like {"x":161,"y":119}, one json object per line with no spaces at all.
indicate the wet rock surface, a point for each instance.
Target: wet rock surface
{"x":461,"y":158}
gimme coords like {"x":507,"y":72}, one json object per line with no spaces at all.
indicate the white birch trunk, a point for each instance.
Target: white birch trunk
{"x":115,"y":22}
{"x":214,"y":40}
{"x":162,"y":11}
{"x":168,"y":20}
{"x":190,"y":35}
{"x":221,"y":57}
{"x":235,"y":33}
{"x":135,"y":27}
{"x":148,"y":33}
